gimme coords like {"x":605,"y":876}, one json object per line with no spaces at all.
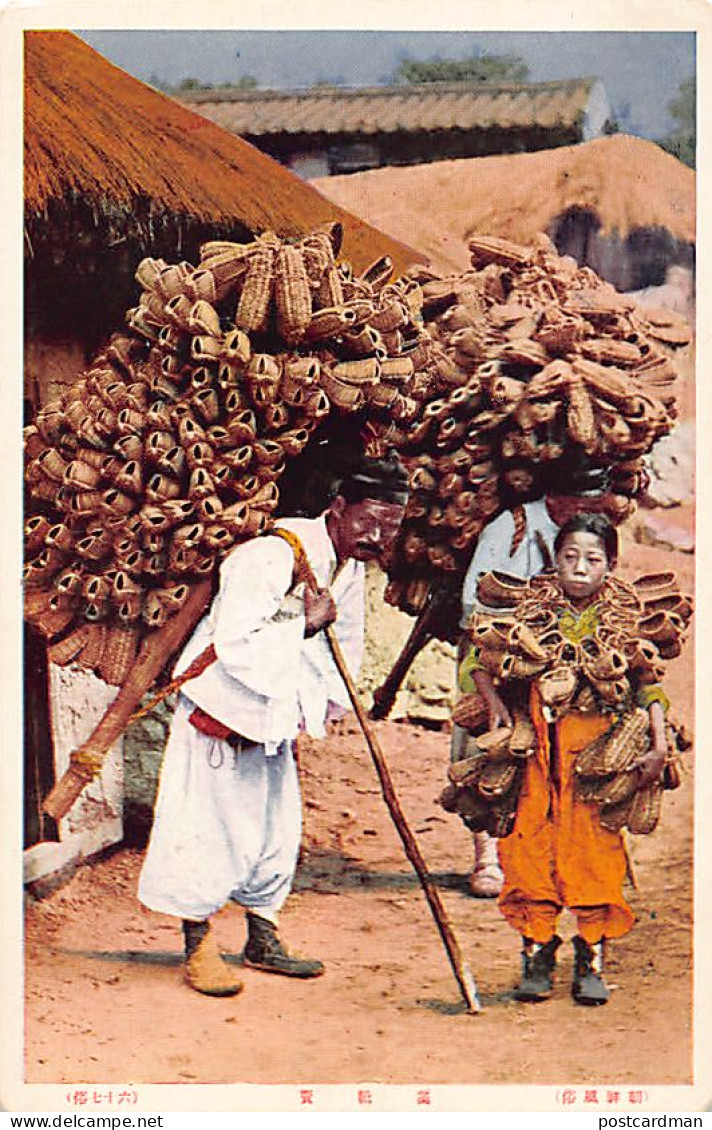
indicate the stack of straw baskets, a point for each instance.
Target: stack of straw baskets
{"x":168,"y":449}
{"x":577,"y":664}
{"x":547,"y":362}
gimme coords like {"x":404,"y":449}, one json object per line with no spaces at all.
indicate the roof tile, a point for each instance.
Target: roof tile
{"x":389,"y":109}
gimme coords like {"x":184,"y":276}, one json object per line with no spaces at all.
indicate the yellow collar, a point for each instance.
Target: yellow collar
{"x":576,"y":628}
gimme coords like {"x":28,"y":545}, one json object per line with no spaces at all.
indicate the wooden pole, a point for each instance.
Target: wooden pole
{"x":462,"y":972}
{"x":86,"y":761}
{"x":629,"y":868}
{"x":420,"y":634}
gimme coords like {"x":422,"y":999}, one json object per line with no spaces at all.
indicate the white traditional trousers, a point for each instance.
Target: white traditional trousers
{"x":227,"y":826}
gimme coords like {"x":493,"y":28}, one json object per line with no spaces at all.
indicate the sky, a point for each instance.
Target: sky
{"x":641,"y":71}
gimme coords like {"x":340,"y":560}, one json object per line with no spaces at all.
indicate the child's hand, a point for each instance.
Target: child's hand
{"x":497,"y":713}
{"x":650,"y":765}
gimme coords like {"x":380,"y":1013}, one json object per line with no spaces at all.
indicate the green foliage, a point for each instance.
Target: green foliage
{"x":682,"y":142}
{"x":158,"y":83}
{"x":682,"y":146}
{"x":478,"y":68}
{"x":246,"y":82}
{"x":684,"y":107}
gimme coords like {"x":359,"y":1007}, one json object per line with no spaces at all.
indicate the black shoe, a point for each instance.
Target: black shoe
{"x":265,"y":951}
{"x":538,"y":964}
{"x":588,"y":986}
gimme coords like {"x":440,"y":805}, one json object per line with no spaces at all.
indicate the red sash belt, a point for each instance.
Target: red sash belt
{"x":210,"y":726}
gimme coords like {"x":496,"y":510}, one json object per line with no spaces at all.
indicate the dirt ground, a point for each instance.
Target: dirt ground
{"x":106,"y":1000}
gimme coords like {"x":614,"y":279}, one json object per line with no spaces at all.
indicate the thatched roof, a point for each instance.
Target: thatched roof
{"x":627,"y":182}
{"x":391,"y":109}
{"x":95,"y":136}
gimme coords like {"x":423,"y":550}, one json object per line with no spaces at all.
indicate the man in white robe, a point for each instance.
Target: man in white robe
{"x":227,"y":824}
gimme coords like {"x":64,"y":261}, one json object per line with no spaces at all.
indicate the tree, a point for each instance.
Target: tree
{"x":682,"y":142}
{"x":158,"y":83}
{"x":478,"y":68}
{"x":246,"y":82}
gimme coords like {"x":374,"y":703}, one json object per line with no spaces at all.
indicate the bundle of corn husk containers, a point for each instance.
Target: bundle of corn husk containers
{"x":169,"y":448}
{"x":546,"y":364}
{"x":638,"y":628}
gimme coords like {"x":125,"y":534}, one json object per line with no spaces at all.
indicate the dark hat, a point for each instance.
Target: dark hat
{"x":577,"y":475}
{"x":384,"y":478}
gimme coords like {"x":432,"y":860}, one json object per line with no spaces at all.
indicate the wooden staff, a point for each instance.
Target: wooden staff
{"x":629,"y":868}
{"x":86,"y":761}
{"x":462,"y":972}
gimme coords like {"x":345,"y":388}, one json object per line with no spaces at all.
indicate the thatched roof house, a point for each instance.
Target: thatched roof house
{"x":618,"y":203}
{"x":115,"y":170}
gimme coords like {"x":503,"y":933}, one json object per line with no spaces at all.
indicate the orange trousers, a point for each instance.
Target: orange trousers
{"x":558,"y":854}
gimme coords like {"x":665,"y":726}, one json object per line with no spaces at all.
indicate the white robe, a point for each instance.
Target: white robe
{"x":493,"y":551}
{"x":227,"y":824}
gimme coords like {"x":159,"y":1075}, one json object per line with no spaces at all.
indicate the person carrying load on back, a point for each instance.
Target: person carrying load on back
{"x":227,"y":824}
{"x":519,"y":541}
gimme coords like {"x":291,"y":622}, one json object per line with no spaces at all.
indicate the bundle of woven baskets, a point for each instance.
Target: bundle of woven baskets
{"x":632,"y":629}
{"x":584,"y":662}
{"x":548,"y":364}
{"x":168,"y":449}
{"x":483,"y":786}
{"x":606,"y":775}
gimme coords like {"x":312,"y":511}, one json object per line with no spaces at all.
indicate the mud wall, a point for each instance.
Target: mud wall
{"x":50,"y":366}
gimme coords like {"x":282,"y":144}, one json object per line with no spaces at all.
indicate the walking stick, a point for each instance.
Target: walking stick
{"x":462,"y":972}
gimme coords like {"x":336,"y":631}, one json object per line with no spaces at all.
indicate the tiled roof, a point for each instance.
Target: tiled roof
{"x":387,"y":109}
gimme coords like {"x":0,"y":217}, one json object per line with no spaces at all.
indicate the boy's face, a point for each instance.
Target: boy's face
{"x":581,"y":564}
{"x":364,"y":530}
